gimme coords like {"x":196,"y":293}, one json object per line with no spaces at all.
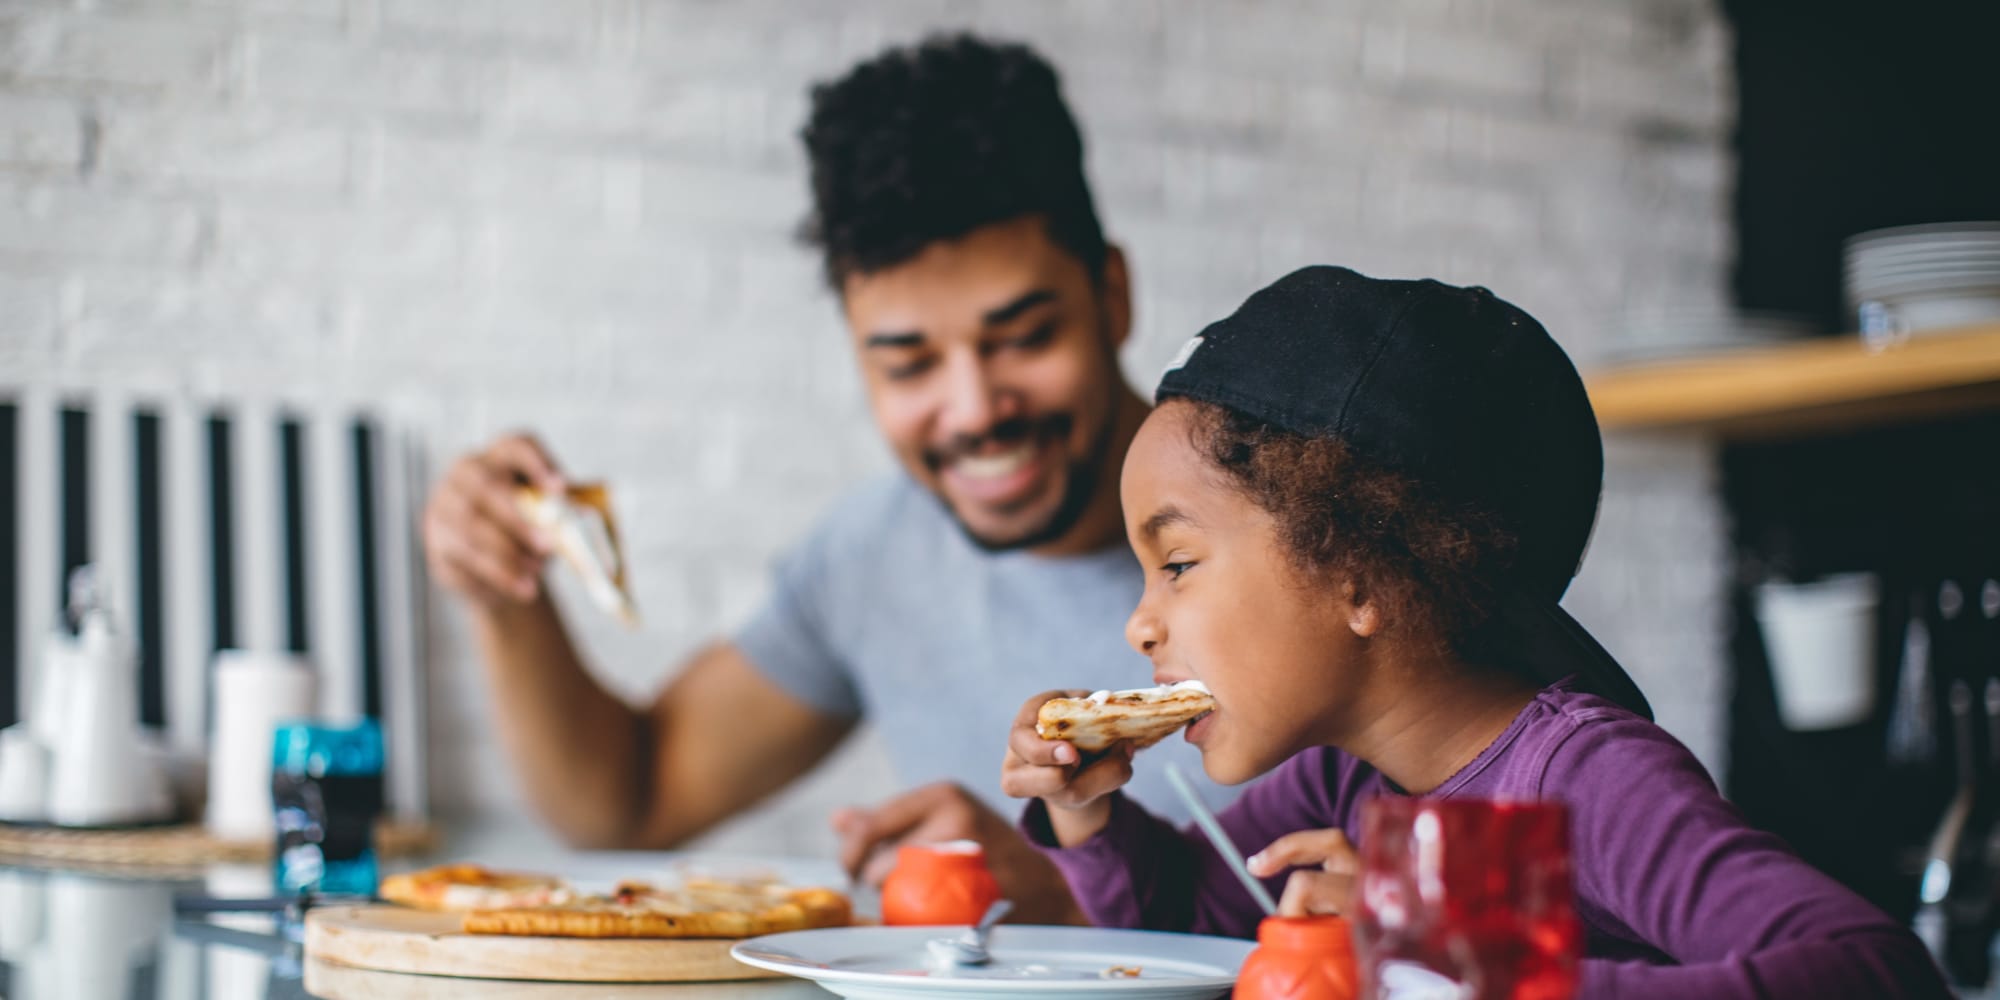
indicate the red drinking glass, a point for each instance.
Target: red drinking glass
{"x":1466,"y":898}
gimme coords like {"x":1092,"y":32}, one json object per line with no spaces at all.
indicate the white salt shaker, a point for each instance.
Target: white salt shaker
{"x":254,"y":692}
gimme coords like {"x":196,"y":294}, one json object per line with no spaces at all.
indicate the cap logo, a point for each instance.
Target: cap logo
{"x":1181,"y":359}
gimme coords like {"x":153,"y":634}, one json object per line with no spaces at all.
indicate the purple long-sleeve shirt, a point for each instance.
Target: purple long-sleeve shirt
{"x":1678,"y":896}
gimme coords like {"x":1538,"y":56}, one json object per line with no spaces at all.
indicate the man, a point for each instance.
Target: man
{"x":986,"y":310}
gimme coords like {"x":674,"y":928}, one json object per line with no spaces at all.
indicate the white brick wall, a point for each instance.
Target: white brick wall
{"x":39,"y":134}
{"x":574,"y":215}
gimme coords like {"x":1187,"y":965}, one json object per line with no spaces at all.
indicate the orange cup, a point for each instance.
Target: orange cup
{"x":1301,"y":958}
{"x":944,"y":883}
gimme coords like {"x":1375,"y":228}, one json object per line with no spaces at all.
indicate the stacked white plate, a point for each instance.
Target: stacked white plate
{"x":1663,"y":334}
{"x":1929,"y":277}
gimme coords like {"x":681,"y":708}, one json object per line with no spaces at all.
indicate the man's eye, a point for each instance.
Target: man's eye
{"x":1038,"y":337}
{"x":1035,"y":338}
{"x":907,"y":370}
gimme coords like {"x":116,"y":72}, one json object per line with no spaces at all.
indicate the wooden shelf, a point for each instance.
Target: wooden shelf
{"x":1820,"y":385}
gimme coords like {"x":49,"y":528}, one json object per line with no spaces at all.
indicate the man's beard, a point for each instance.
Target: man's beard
{"x":1079,"y":484}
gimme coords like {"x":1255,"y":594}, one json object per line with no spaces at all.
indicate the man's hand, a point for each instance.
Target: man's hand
{"x":476,"y":539}
{"x":945,"y":811}
{"x":1329,"y":889}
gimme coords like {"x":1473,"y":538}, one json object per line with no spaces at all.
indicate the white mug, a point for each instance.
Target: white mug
{"x":1820,"y":639}
{"x":254,"y":692}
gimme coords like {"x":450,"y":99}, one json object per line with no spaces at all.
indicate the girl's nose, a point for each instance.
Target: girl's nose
{"x":1143,"y":631}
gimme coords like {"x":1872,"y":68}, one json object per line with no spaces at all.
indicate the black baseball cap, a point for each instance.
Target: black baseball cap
{"x":1453,"y":387}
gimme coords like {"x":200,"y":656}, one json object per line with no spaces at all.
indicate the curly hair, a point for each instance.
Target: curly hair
{"x":1428,"y":561}
{"x":928,"y":143}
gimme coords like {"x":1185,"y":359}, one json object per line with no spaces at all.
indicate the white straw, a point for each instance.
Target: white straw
{"x":1206,"y":820}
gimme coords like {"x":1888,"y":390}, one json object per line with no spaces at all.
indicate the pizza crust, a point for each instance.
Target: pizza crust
{"x":462,"y":887}
{"x":640,"y":911}
{"x":493,"y":902}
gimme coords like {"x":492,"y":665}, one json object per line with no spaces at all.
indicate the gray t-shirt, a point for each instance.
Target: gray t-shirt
{"x":886,"y":610}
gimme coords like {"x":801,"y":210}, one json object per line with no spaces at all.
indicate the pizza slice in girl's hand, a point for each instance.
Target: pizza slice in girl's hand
{"x":461,"y":887}
{"x":1143,"y":716}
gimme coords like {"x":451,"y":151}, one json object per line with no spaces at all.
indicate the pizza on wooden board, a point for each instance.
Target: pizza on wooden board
{"x":700,"y":908}
{"x":1142,"y":716}
{"x":457,"y":888}
{"x":522,"y":904}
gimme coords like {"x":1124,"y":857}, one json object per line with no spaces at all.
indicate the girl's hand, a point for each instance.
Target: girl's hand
{"x":1057,"y":773}
{"x":1326,"y":885}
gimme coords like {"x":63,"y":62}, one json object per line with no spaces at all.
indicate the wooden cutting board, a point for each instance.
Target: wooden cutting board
{"x":328,"y":981}
{"x":397,"y":939}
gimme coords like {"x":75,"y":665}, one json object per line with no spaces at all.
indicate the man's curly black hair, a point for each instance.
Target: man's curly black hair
{"x":930,"y":142}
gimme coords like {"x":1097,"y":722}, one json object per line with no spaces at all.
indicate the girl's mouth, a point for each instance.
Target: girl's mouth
{"x":1198,"y":728}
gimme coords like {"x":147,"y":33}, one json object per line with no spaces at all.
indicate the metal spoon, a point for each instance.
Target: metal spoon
{"x":969,"y":948}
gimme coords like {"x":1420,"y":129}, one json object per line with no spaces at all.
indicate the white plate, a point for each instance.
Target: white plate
{"x":1865,"y":269}
{"x":1938,"y":233}
{"x":1864,"y":275}
{"x":1045,"y":963}
{"x":1917,"y":251}
{"x":1924,"y":288}
{"x":1909,"y":251}
{"x":1943,"y":312}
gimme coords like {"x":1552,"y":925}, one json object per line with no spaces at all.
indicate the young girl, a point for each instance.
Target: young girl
{"x":1357,"y":504}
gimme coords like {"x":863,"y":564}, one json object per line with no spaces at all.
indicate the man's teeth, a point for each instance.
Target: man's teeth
{"x":994,"y":466}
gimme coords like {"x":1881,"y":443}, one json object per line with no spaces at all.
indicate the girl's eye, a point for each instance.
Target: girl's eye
{"x":1175,"y":569}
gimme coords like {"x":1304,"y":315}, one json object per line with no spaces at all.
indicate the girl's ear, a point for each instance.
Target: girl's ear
{"x":1363,"y":616}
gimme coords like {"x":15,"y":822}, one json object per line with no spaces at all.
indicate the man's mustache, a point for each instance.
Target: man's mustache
{"x":1054,"y":426}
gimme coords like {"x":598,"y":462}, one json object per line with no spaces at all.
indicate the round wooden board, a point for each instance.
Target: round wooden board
{"x":328,"y":981}
{"x":396,"y":939}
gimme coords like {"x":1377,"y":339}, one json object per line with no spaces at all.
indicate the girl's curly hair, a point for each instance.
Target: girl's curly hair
{"x":1429,"y":562}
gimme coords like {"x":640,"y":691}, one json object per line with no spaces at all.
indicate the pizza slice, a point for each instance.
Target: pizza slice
{"x":461,"y":887}
{"x":580,"y":525}
{"x":1142,"y":716}
{"x":702,"y":908}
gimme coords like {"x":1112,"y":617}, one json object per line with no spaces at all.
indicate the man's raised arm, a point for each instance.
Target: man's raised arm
{"x":601,"y":772}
